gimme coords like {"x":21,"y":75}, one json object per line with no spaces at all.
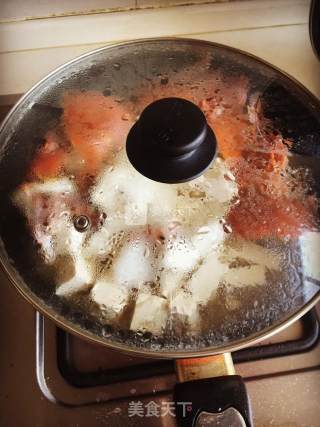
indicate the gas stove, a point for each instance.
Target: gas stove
{"x":52,"y":378}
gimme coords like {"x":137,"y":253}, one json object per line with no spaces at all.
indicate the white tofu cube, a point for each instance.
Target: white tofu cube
{"x":210,"y":194}
{"x":244,"y":276}
{"x":83,"y":277}
{"x":133,"y":264}
{"x":205,"y":281}
{"x":185,"y":306}
{"x":58,"y":236}
{"x":223,"y":185}
{"x":179,"y":254}
{"x":253,"y":254}
{"x":23,"y":196}
{"x":99,"y":244}
{"x":208,"y":238}
{"x":310,"y":254}
{"x":61,"y":238}
{"x":183,"y":254}
{"x":150,"y":314}
{"x":125,"y":194}
{"x":67,"y":240}
{"x":110,"y":297}
{"x":170,"y":281}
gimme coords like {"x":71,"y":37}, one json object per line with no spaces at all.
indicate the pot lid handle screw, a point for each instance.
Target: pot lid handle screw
{"x":81,"y":223}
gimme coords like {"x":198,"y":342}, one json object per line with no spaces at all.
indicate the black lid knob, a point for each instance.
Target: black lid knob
{"x":171,"y":142}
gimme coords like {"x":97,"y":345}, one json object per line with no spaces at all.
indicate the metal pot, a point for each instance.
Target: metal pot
{"x":241,"y":98}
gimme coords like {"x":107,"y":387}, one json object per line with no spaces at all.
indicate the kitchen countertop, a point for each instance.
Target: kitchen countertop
{"x":275,"y":30}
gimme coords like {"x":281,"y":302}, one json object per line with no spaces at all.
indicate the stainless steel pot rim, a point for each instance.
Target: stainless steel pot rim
{"x":157,"y":354}
{"x":131,"y":350}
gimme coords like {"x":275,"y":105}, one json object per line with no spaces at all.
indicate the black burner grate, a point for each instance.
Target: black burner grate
{"x":310,"y":336}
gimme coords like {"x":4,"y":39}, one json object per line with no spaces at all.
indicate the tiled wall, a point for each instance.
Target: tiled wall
{"x":28,"y":9}
{"x":276,"y":30}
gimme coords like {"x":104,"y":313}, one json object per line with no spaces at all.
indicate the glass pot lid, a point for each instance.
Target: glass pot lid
{"x":163,"y":195}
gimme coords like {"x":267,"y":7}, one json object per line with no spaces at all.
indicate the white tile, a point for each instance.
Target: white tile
{"x":182,"y":20}
{"x":281,"y":46}
{"x":277,"y":36}
{"x":21,"y":70}
{"x":166,"y":3}
{"x":22,"y":9}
